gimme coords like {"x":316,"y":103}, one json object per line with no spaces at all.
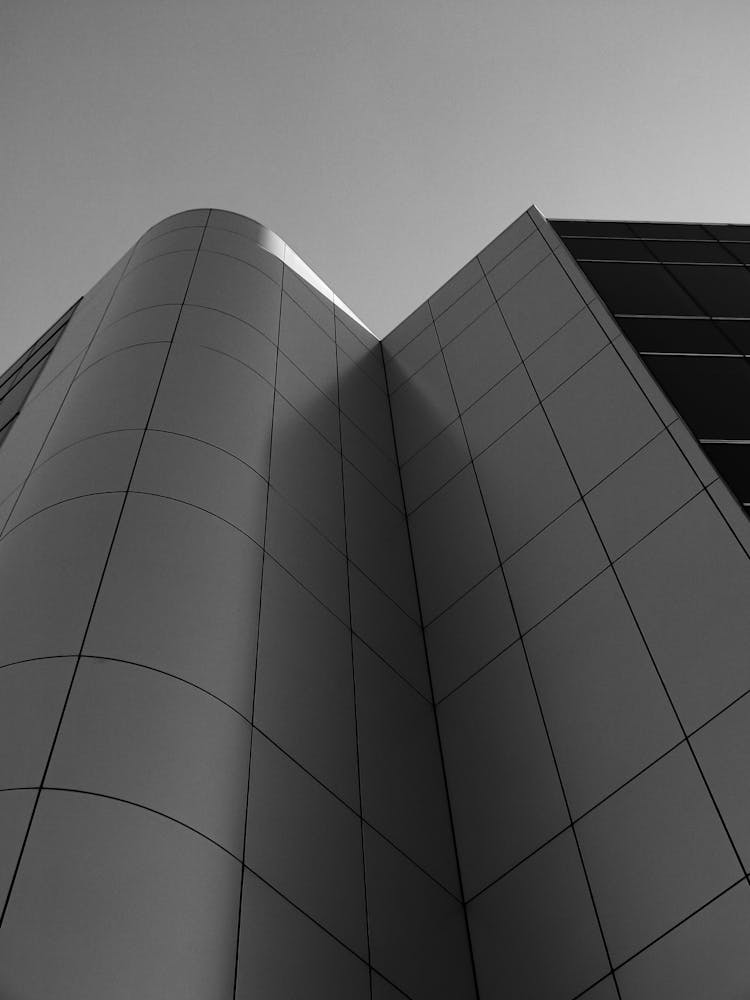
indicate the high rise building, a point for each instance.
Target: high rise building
{"x":358,"y":670}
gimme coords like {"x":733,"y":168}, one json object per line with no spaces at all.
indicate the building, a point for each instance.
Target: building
{"x":363,"y":671}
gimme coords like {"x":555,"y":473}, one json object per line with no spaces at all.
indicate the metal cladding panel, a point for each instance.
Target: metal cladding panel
{"x":201,"y":479}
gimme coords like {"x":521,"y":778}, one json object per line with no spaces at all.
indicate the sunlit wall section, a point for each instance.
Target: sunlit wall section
{"x":220,"y":768}
{"x":584,"y":581}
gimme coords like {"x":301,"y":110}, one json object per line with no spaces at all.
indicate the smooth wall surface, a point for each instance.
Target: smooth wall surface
{"x":247,"y":751}
{"x":220,"y":767}
{"x":585,"y":580}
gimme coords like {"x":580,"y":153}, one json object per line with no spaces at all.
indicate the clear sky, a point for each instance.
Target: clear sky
{"x":386,"y":141}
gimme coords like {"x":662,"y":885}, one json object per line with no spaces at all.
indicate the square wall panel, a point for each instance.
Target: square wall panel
{"x":642,"y":493}
{"x":85,"y":851}
{"x":161,"y":281}
{"x":15,"y":813}
{"x":147,"y":738}
{"x":32,"y":696}
{"x":377,"y":466}
{"x":145,"y":326}
{"x":504,"y":791}
{"x":378,"y":541}
{"x":180,"y":467}
{"x":539,"y":305}
{"x":453,"y":289}
{"x":406,"y":331}
{"x":283,"y":953}
{"x":723,"y":751}
{"x":453,"y":546}
{"x":318,"y":308}
{"x":707,"y":956}
{"x":306,"y":844}
{"x":517,"y":264}
{"x":464,"y":311}
{"x":480,"y":356}
{"x":416,"y":354}
{"x":365,"y":404}
{"x":52,"y":564}
{"x":307,"y":555}
{"x":383,"y":626}
{"x":308,"y":400}
{"x":403,"y":789}
{"x":688,"y":583}
{"x":306,"y":470}
{"x":507,"y":241}
{"x":231,"y":286}
{"x":605,"y":708}
{"x":304,"y":697}
{"x":237,"y":245}
{"x":101,"y":464}
{"x":470,"y":633}
{"x":417,"y":930}
{"x":565,"y":352}
{"x":114,"y":394}
{"x":223,"y":334}
{"x":422,"y":408}
{"x":311,"y":350}
{"x":535,"y":932}
{"x":600,"y":418}
{"x":554,"y":565}
{"x":645,"y":874}
{"x":181,"y":594}
{"x":218,"y":400}
{"x":435,"y":464}
{"x":499,"y":409}
{"x":525,"y":481}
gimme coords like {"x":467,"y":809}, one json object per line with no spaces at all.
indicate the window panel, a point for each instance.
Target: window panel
{"x":677,"y":336}
{"x":720,"y":291}
{"x":692,"y":251}
{"x":710,"y":393}
{"x":733,"y":463}
{"x":639,"y":289}
{"x":585,"y":248}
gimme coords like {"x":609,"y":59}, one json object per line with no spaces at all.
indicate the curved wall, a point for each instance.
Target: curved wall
{"x":219,"y":762}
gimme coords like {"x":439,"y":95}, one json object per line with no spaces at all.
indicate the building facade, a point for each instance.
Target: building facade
{"x":353,"y":669}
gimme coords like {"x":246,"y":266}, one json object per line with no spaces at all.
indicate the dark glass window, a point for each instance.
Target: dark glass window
{"x":729,"y":232}
{"x":568,"y":227}
{"x":732,"y":462}
{"x":720,"y":291}
{"x":670,"y":230}
{"x":740,"y":251}
{"x":594,"y":249}
{"x":642,"y":289}
{"x":711,"y":394}
{"x":686,"y":336}
{"x":736,"y":330}
{"x":690,"y":251}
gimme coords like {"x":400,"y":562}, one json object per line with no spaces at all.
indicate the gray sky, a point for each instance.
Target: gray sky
{"x":386,"y":141}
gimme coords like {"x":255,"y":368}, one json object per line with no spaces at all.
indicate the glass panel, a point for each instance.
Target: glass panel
{"x":640,"y":289}
{"x":670,"y":230}
{"x":677,"y":336}
{"x":710,"y":393}
{"x":612,"y":249}
{"x":739,"y":250}
{"x":692,"y":251}
{"x":729,"y":232}
{"x":721,"y":291}
{"x":732,"y":461}
{"x":738,"y":331}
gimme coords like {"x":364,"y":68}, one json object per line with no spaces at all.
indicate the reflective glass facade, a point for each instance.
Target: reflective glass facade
{"x":340,"y":668}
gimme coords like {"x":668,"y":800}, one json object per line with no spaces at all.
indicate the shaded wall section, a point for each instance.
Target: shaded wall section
{"x":584,"y":579}
{"x":221,"y":775}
